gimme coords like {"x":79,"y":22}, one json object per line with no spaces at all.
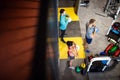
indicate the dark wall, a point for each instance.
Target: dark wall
{"x":45,"y":62}
{"x":18,"y":21}
{"x":52,"y":42}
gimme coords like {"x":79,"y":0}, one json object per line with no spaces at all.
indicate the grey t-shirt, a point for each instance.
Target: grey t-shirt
{"x":90,"y":30}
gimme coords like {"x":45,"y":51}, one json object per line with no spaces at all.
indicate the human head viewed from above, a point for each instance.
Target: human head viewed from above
{"x":92,"y":22}
{"x":69,"y":43}
{"x":62,"y":11}
{"x":72,"y":45}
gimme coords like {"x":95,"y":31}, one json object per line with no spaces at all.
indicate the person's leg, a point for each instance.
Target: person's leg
{"x":62,"y":35}
{"x":71,"y":58}
{"x":85,"y":43}
{"x":70,"y":63}
{"x":88,"y":41}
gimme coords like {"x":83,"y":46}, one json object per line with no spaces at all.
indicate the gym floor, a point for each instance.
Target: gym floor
{"x":94,"y":10}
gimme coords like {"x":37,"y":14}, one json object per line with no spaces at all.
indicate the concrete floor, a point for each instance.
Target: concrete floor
{"x":95,"y":10}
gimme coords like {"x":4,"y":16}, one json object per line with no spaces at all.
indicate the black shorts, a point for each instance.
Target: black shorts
{"x":71,"y":57}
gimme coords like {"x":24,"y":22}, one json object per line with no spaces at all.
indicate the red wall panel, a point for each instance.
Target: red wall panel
{"x":18,"y":22}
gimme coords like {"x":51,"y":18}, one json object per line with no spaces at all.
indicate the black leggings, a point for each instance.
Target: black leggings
{"x":62,"y":34}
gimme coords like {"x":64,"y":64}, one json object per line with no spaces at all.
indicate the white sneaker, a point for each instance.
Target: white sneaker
{"x":72,"y":67}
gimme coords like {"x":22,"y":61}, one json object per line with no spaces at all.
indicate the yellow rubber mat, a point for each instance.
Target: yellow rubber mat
{"x":70,"y":11}
{"x":63,"y":48}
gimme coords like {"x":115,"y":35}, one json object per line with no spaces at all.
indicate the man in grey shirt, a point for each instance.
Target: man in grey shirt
{"x":90,"y":33}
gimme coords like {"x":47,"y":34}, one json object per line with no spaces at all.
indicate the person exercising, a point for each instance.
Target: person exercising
{"x":72,"y":52}
{"x":90,"y":33}
{"x":64,"y":20}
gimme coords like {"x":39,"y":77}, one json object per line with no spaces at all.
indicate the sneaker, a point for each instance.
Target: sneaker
{"x":72,"y":68}
{"x":87,"y":51}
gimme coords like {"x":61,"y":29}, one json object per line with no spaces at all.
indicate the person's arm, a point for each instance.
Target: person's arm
{"x":95,"y":30}
{"x":75,"y":51}
{"x":90,"y":32}
{"x":67,"y":15}
{"x":92,"y":35}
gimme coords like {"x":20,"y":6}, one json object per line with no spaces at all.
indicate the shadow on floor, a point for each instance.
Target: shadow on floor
{"x":68,"y":74}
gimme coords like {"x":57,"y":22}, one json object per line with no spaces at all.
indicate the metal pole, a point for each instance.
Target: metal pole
{"x":77,"y":6}
{"x":117,"y":12}
{"x":107,"y":5}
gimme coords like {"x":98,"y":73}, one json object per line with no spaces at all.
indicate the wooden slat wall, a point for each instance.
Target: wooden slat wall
{"x":18,"y":21}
